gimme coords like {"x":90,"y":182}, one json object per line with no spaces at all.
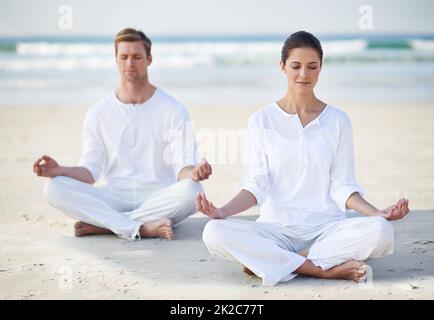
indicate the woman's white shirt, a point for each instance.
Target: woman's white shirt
{"x":300,"y":175}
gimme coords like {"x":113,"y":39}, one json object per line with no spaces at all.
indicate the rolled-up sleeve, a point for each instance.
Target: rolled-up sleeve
{"x":256,"y":178}
{"x":342,"y":173}
{"x":92,"y":157}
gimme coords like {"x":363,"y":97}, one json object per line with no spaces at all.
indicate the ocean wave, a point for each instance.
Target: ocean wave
{"x":63,"y":49}
{"x":57,"y":64}
{"x":186,"y":48}
{"x":331,"y":48}
{"x":64,"y":56}
{"x":423,"y":45}
{"x":185,"y":62}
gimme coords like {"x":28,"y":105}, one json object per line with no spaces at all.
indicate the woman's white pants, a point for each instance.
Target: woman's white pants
{"x":270,"y":251}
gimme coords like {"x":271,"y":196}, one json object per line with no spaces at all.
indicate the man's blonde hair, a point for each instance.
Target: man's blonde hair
{"x":132,"y":35}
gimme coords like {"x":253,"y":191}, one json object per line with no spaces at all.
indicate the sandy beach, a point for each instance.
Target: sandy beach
{"x":41,"y":259}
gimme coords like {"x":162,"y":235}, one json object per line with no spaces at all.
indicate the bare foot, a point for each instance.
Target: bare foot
{"x":304,"y":253}
{"x":84,"y":229}
{"x":248,"y":271}
{"x":158,"y":229}
{"x":350,"y":270}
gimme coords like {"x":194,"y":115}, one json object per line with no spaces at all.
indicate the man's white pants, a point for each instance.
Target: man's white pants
{"x":122,"y":211}
{"x":270,"y":251}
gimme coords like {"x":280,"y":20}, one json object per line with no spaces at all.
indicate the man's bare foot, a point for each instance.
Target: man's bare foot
{"x":350,"y":270}
{"x":84,"y":229}
{"x":157,"y":229}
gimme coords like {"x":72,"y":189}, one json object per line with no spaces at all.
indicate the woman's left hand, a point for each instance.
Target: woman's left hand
{"x":396,"y":211}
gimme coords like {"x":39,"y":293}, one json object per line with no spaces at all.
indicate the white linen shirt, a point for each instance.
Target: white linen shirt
{"x":134,"y":145}
{"x":300,"y":176}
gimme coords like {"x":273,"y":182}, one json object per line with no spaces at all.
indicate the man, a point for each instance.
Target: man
{"x":138,"y":142}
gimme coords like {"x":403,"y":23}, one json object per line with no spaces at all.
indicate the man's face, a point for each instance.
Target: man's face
{"x":132,"y":61}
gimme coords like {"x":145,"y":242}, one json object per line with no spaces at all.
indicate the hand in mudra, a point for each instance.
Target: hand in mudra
{"x":201,"y":171}
{"x":396,"y":211}
{"x":206,"y":207}
{"x":45,"y":166}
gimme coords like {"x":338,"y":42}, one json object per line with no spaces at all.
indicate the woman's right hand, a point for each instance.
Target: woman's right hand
{"x":207,"y":208}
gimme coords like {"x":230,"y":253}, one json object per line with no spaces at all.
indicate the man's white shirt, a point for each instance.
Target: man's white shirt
{"x":131,"y":145}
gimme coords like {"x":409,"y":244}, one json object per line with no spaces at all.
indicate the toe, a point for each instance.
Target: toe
{"x":356,"y":277}
{"x":168,"y":237}
{"x":171,"y":235}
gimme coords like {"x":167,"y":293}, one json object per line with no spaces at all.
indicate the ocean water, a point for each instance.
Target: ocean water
{"x":215,"y":70}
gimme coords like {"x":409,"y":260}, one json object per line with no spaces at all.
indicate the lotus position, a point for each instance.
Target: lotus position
{"x":300,"y":171}
{"x":138,"y":143}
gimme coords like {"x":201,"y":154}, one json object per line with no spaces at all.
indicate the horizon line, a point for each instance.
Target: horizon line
{"x":179,"y":36}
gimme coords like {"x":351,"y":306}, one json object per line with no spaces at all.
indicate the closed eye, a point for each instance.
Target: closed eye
{"x":310,"y":67}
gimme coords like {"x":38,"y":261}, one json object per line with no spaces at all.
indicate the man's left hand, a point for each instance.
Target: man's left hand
{"x":396,"y":211}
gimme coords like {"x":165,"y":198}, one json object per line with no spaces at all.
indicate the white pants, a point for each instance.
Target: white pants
{"x":122,"y":211}
{"x":270,"y":251}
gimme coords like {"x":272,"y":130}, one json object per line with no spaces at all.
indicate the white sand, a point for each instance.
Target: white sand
{"x":394,"y":157}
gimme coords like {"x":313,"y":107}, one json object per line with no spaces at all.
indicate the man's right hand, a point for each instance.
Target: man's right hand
{"x":46,"y":167}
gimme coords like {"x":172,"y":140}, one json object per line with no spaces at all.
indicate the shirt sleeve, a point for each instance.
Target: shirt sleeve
{"x":342,"y":173}
{"x":256,"y":179}
{"x":183,"y":147}
{"x":92,"y":157}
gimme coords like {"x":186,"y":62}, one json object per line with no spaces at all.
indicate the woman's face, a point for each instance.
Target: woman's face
{"x":302,"y":69}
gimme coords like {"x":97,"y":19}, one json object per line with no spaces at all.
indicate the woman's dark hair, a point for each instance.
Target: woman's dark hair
{"x":301,"y":39}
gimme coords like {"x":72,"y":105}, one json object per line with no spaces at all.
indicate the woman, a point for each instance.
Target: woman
{"x":300,"y":170}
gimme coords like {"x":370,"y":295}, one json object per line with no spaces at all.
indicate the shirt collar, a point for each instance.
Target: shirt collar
{"x":295,"y":117}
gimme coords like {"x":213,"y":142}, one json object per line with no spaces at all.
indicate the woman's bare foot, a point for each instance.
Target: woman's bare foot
{"x":304,"y":253}
{"x":350,"y":270}
{"x":248,"y":271}
{"x":158,"y":229}
{"x":84,"y":229}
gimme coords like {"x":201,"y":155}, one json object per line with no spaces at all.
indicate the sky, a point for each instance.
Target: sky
{"x":214,"y":17}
